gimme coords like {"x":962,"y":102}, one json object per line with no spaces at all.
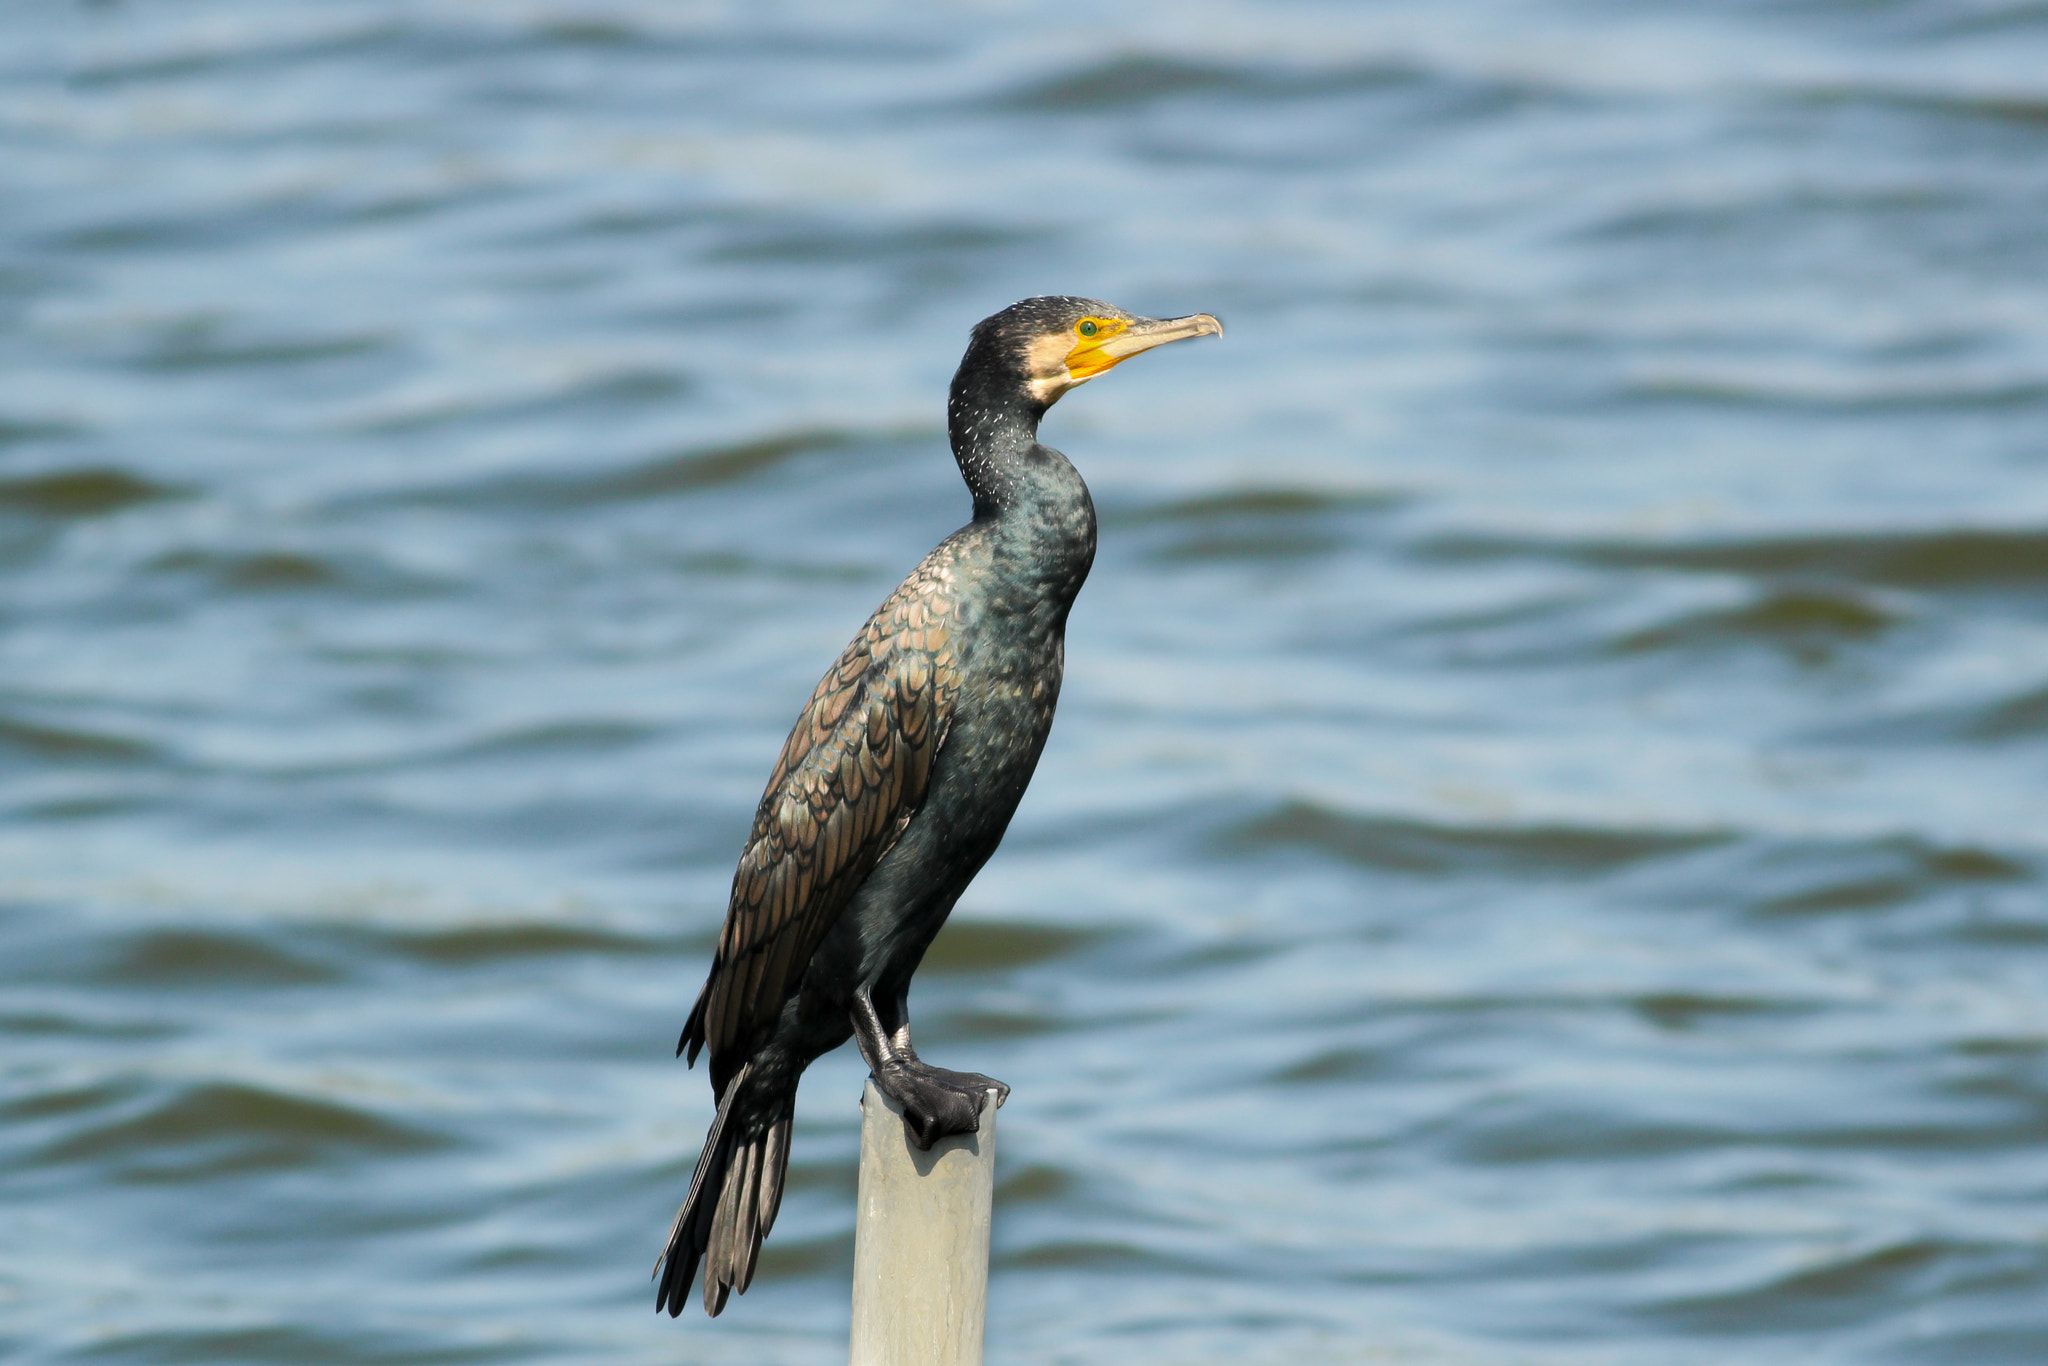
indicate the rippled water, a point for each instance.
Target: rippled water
{"x":1542,"y":858}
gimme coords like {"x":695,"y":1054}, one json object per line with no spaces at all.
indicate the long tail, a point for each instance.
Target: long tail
{"x":734,"y":1194}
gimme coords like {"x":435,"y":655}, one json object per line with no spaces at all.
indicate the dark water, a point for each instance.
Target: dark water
{"x":1542,"y":859}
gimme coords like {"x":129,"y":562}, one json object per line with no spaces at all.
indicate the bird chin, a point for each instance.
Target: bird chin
{"x":1045,"y":390}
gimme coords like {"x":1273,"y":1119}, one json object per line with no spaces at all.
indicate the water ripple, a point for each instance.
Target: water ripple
{"x":1535,"y":863}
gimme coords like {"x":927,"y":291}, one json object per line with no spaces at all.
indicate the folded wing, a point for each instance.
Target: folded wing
{"x":852,"y":773}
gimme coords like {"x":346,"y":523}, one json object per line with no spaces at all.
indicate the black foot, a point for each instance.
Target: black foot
{"x":936,"y":1103}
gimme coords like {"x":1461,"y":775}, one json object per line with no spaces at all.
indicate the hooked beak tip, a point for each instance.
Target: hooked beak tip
{"x":1150,"y":332}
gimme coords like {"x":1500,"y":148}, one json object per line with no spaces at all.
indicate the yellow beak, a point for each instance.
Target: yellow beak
{"x":1098,"y":354}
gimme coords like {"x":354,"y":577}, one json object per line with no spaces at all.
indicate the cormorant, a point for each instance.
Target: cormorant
{"x":895,"y":787}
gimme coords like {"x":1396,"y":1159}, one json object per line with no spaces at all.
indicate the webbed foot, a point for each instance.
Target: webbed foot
{"x":936,"y":1103}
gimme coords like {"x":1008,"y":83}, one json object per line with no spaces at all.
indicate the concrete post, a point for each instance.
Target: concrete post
{"x":920,"y":1241}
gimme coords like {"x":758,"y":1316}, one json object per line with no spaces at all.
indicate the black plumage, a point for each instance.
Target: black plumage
{"x":895,"y":786}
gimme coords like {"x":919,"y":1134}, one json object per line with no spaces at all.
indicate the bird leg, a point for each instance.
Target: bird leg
{"x":936,"y":1103}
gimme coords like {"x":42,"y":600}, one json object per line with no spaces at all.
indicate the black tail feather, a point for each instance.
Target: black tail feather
{"x":734,"y":1195}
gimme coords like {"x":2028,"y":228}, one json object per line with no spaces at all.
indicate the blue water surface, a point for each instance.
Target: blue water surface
{"x":1542,"y":859}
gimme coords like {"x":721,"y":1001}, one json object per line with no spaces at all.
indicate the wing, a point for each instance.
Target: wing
{"x":851,"y":775}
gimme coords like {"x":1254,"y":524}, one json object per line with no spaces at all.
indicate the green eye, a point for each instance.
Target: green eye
{"x":1088,"y":329}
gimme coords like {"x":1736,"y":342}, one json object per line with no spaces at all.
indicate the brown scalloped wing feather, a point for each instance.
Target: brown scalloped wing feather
{"x":850,"y":776}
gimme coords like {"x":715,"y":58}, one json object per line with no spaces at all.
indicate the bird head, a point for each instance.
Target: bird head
{"x":1050,"y":344}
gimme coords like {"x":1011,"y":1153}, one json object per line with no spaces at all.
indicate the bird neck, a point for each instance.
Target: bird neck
{"x":1032,"y":501}
{"x":993,"y":425}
